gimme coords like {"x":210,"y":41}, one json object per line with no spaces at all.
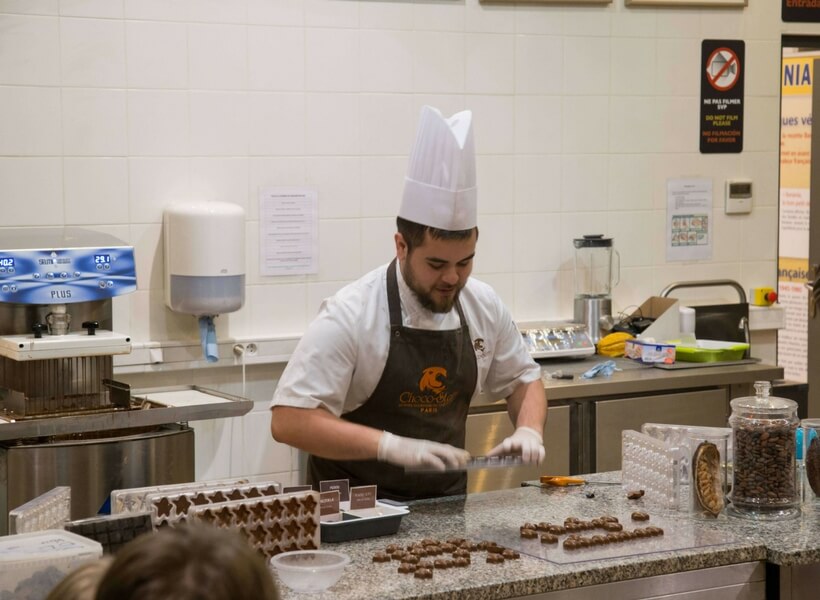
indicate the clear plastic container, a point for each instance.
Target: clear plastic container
{"x":310,"y":571}
{"x":764,"y":476}
{"x":681,"y":436}
{"x":708,"y":477}
{"x":811,"y":460}
{"x":653,"y":466}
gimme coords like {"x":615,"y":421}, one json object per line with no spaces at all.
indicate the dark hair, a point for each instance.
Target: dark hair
{"x":189,"y":562}
{"x":414,"y":233}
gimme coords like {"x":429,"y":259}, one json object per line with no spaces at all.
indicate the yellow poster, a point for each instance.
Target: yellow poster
{"x":795,"y":173}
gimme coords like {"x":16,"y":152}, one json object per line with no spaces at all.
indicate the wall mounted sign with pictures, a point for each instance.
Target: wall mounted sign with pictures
{"x":706,"y":3}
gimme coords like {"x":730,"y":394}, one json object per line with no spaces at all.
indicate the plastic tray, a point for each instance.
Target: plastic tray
{"x":711,"y":351}
{"x":364,"y":523}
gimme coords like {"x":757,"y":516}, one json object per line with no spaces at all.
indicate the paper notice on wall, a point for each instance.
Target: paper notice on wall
{"x":288,"y":231}
{"x":689,"y":219}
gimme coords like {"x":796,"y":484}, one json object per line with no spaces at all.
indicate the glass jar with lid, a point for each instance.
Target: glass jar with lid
{"x":764,"y":474}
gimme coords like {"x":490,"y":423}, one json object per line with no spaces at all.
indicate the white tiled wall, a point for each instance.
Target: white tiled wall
{"x":111,"y":109}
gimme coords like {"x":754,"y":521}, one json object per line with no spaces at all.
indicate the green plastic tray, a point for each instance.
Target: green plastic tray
{"x":711,"y":351}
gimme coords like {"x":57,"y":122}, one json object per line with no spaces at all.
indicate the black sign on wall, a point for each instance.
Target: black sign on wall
{"x":806,"y":11}
{"x":721,"y":96}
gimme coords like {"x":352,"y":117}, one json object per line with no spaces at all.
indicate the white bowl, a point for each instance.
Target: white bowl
{"x":310,"y":570}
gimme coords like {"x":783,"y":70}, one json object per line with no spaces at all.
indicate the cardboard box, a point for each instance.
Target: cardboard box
{"x":665,"y":312}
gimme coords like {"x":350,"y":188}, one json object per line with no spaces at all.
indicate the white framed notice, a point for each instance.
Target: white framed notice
{"x":288,"y":231}
{"x":688,"y":219}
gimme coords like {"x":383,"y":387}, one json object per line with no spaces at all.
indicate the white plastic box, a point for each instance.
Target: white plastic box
{"x":31,"y":564}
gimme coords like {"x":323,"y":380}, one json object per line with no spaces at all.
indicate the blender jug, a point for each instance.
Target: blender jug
{"x":595,"y":275}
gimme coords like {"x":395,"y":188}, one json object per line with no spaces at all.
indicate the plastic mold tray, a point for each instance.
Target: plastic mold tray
{"x":653,"y":466}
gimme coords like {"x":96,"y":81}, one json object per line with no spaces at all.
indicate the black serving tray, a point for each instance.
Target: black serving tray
{"x":384,"y":519}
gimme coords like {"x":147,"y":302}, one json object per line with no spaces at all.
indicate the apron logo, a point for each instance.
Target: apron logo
{"x":432,"y":394}
{"x":480,"y":347}
{"x":429,"y":379}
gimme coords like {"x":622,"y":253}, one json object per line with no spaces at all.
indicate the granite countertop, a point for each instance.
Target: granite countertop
{"x":687,"y":544}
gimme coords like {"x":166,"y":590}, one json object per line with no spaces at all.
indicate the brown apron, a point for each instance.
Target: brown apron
{"x":424,"y":392}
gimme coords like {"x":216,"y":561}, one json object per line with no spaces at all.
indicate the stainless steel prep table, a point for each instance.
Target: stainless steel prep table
{"x":586,"y":416}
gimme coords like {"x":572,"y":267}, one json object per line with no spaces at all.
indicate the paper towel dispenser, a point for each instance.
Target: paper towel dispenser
{"x":204,"y":257}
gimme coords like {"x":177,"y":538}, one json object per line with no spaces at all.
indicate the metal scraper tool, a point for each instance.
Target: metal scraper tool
{"x":476,"y":462}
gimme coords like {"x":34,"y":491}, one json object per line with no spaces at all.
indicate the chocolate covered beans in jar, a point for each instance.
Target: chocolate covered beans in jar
{"x":764,"y":475}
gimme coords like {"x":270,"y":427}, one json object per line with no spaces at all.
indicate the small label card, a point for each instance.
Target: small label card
{"x":363,"y":496}
{"x":296,"y":488}
{"x":329,"y":503}
{"x":341,"y":485}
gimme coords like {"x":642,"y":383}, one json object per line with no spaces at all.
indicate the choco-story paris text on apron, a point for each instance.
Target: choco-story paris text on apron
{"x":424,"y":392}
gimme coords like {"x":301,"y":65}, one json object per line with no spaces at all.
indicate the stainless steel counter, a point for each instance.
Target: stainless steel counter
{"x":635,"y":378}
{"x":587,"y":416}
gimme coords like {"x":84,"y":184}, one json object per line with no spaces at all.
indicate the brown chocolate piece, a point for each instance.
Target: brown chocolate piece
{"x":425,"y":564}
{"x":460,"y":553}
{"x":398,"y":555}
{"x":495,"y":558}
{"x":423,"y":573}
{"x":613,"y":527}
{"x":381,"y":557}
{"x":570,"y":544}
{"x":549,"y":538}
{"x":639,"y":515}
{"x":442,"y":563}
{"x":510,"y":554}
{"x":635,"y":494}
{"x":411,"y":558}
{"x":462,"y":561}
{"x":406,"y":568}
{"x":529,"y":534}
{"x":392,"y":548}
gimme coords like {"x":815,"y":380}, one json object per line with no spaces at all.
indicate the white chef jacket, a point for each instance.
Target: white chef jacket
{"x":341,"y":357}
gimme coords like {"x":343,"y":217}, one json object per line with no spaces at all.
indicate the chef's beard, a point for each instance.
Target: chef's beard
{"x":425,"y":297}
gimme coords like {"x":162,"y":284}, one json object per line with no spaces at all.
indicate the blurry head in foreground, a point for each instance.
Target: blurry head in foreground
{"x":194,"y":562}
{"x":82,"y":582}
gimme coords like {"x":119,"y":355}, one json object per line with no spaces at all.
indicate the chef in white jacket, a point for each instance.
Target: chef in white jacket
{"x":383,"y":378}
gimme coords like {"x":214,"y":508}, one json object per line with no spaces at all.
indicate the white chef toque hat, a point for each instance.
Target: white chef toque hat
{"x":439,"y":189}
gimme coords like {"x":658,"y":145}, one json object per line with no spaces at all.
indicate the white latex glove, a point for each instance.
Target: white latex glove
{"x":410,"y":452}
{"x":524,"y":441}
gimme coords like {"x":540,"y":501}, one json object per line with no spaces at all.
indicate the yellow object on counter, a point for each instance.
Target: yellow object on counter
{"x":613,"y":344}
{"x":560,"y":480}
